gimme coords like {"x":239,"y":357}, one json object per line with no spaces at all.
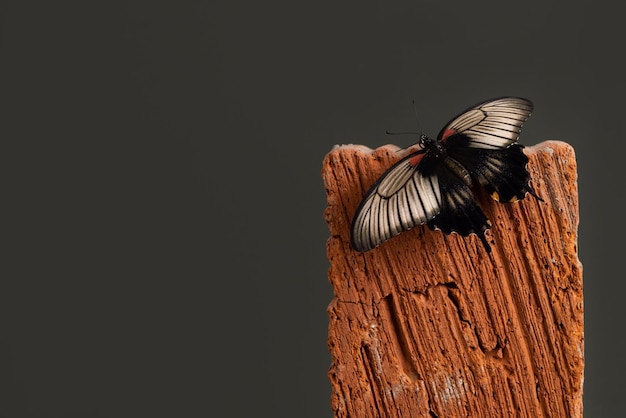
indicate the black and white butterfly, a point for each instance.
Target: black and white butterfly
{"x":433,"y":185}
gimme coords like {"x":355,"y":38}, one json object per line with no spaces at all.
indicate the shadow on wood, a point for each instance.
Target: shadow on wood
{"x":428,"y":325}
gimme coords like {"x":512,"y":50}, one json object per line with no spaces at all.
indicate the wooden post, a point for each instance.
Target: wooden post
{"x":428,"y":325}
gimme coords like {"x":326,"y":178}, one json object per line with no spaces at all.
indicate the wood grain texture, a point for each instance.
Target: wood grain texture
{"x":428,"y":325}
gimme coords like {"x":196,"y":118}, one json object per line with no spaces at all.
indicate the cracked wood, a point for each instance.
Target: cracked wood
{"x":428,"y":325}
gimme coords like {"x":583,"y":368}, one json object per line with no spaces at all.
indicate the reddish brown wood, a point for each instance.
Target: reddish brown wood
{"x":428,"y":325}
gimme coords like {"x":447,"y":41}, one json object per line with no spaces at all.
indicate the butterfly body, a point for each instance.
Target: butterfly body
{"x":434,"y":185}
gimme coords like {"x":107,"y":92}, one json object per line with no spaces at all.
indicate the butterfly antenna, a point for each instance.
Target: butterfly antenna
{"x":415,"y":111}
{"x":401,"y":133}
{"x":417,"y":119}
{"x":418,"y":132}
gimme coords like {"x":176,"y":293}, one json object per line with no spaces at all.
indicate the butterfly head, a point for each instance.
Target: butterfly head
{"x":424,"y":141}
{"x":423,"y":144}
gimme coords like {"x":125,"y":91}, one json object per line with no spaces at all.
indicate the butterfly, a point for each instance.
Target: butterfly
{"x":433,"y":185}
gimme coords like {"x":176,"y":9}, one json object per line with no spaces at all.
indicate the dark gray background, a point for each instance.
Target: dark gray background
{"x":164,"y":241}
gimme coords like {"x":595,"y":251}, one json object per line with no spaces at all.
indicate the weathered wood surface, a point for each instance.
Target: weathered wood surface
{"x":428,"y":325}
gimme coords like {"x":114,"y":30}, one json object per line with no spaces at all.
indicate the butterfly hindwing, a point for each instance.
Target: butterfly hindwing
{"x":459,"y":211}
{"x":501,"y":172}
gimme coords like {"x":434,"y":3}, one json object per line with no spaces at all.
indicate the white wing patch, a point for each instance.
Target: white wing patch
{"x":495,"y":124}
{"x":402,"y":199}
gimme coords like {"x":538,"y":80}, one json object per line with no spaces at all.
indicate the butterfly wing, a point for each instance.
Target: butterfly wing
{"x":484,"y":140}
{"x":494,"y":124}
{"x":501,"y":172}
{"x":459,"y":211}
{"x":403,"y":197}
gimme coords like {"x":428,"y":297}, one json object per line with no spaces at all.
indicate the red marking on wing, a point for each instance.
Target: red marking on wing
{"x":414,"y":160}
{"x":448,"y":132}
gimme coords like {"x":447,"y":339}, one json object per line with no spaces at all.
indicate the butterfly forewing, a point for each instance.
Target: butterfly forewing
{"x":493,"y":124}
{"x":394,"y":180}
{"x":402,"y":198}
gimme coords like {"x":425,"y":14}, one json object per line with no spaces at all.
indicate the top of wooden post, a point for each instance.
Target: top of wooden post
{"x":433,"y":325}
